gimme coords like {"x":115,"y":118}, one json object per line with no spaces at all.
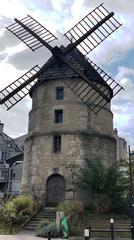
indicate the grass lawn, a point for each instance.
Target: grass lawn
{"x":5,"y":229}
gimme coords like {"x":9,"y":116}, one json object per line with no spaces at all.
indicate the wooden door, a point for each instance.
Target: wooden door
{"x":55,"y":190}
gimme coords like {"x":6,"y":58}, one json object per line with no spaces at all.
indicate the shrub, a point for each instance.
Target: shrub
{"x":43,"y":223}
{"x":106,"y":184}
{"x":101,"y":204}
{"x":19,"y":207}
{"x":1,"y":210}
{"x":23,"y":204}
{"x":72,"y":209}
{"x":19,"y":219}
{"x":43,"y":231}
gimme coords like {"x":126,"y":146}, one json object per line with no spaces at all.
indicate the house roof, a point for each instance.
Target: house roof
{"x":14,"y":159}
{"x":59,"y":70}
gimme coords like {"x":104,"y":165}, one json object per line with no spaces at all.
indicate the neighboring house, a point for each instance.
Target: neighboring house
{"x":15,"y":174}
{"x":121,"y":147}
{"x":8,"y":149}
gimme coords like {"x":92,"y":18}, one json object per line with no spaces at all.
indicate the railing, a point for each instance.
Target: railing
{"x":89,"y":230}
{"x":36,"y":210}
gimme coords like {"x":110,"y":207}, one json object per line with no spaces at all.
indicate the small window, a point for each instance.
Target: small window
{"x":57,"y":143}
{"x":4,"y":174}
{"x":12,"y":174}
{"x":3,"y":156}
{"x":59,"y":93}
{"x":59,"y":116}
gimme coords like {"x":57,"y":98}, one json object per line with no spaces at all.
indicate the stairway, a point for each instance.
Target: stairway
{"x":44,"y":214}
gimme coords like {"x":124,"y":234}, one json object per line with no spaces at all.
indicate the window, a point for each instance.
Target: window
{"x":59,"y":93}
{"x":12,"y":175}
{"x":3,"y":156}
{"x":59,"y":116}
{"x":4,"y":174}
{"x":57,"y":143}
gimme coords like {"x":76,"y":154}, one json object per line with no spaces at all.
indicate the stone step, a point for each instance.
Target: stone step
{"x":39,"y":218}
{"x":48,"y":214}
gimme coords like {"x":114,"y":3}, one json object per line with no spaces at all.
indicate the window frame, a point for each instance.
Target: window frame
{"x":59,"y":95}
{"x":58,"y":115}
{"x":56,"y":144}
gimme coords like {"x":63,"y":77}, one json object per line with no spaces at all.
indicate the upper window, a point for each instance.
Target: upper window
{"x":59,"y":93}
{"x":57,"y":143}
{"x":59,"y":116}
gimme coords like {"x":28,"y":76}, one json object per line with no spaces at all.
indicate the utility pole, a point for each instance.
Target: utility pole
{"x":131,"y":175}
{"x":131,"y":191}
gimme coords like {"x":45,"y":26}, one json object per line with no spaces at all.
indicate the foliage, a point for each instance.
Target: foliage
{"x":23,"y":204}
{"x":2,"y":206}
{"x":43,"y":223}
{"x":72,"y":209}
{"x":18,"y":208}
{"x":100,"y":204}
{"x":106,"y":184}
{"x":44,"y":229}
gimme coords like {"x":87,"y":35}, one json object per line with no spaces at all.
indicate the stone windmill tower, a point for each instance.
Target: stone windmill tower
{"x":70,"y":120}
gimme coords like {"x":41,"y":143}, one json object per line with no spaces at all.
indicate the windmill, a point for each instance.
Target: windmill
{"x":86,"y":35}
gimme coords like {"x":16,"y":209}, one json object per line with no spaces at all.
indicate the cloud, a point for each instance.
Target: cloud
{"x":115,"y":46}
{"x":26,"y":59}
{"x":118,"y":6}
{"x":7,"y":40}
{"x":16,"y":120}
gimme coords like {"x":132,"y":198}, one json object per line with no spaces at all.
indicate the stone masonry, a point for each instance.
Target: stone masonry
{"x":84,"y":137}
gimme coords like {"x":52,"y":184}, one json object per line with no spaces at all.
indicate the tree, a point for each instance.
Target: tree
{"x":106,"y":185}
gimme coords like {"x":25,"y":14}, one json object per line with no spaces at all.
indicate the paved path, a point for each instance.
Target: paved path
{"x":31,"y":236}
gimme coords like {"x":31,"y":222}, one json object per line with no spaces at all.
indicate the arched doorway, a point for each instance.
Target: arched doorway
{"x":55,"y":190}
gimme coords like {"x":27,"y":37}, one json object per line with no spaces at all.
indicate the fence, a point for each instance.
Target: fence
{"x":111,"y":230}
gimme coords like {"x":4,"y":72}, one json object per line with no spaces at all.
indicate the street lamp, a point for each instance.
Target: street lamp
{"x":130,"y":175}
{"x":131,"y":191}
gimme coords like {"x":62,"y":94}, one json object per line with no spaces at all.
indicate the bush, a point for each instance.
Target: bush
{"x":19,"y":219}
{"x":43,"y":231}
{"x":18,"y":207}
{"x":72,"y":209}
{"x":23,"y":204}
{"x":106,"y":184}
{"x":101,"y":204}
{"x":1,"y":210}
{"x":43,"y":223}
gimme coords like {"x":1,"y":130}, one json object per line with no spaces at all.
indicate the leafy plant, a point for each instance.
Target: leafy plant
{"x":43,"y":223}
{"x":23,"y":204}
{"x":72,"y":209}
{"x":106,"y":184}
{"x":44,"y":230}
{"x":18,"y":207}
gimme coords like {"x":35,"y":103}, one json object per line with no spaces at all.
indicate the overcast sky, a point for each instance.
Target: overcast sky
{"x":115,"y":54}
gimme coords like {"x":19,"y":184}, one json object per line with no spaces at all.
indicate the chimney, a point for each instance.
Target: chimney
{"x":115,"y":131}
{"x":1,"y":127}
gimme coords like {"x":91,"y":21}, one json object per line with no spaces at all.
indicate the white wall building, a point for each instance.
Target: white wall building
{"x":121,"y":147}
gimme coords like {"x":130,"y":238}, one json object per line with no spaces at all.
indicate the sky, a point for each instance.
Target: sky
{"x":115,"y":55}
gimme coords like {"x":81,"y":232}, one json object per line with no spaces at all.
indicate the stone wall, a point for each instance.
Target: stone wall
{"x":84,"y":136}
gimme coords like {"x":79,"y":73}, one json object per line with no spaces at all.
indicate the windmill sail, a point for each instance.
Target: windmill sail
{"x":17,"y":90}
{"x":92,"y":29}
{"x":86,"y":35}
{"x":32,"y":33}
{"x":116,"y":87}
{"x":93,"y":92}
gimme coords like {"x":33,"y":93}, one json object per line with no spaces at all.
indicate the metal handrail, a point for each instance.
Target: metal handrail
{"x":35,"y":211}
